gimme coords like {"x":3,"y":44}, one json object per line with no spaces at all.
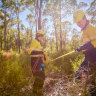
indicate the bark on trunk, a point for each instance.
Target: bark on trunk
{"x":39,"y":18}
{"x":60,"y":29}
{"x":5,"y":26}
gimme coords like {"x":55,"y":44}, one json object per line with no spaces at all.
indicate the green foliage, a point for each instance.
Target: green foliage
{"x":68,"y":63}
{"x":76,"y":63}
{"x":14,"y":74}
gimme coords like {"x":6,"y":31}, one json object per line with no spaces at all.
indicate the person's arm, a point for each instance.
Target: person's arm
{"x":85,"y":47}
{"x":85,"y":38}
{"x":92,"y":34}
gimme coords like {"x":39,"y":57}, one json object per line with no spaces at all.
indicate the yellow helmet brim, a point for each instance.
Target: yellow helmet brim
{"x":78,"y":15}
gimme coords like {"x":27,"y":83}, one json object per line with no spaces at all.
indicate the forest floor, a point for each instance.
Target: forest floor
{"x":61,"y":85}
{"x":57,"y":84}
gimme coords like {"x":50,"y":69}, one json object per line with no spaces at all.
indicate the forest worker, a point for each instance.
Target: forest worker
{"x":38,"y":59}
{"x":88,"y":39}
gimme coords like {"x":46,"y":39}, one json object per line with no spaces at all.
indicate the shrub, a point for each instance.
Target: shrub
{"x":14,"y":73}
{"x":65,"y":64}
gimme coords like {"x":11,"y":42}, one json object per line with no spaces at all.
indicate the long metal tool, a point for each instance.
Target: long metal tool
{"x":62,"y":56}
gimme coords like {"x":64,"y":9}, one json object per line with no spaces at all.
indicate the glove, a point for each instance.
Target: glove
{"x":79,"y":48}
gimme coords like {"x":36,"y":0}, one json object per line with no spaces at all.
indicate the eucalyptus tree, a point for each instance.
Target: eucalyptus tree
{"x":59,"y":11}
{"x":4,"y":16}
{"x":1,"y":40}
{"x":11,"y":10}
{"x":1,"y":29}
{"x":11,"y":39}
{"x":36,"y":18}
{"x":39,"y":18}
{"x":66,"y":29}
{"x":92,"y":12}
{"x":18,"y":7}
{"x":45,"y":29}
{"x":61,"y":39}
{"x":75,"y":38}
{"x":51,"y":13}
{"x":82,"y":6}
{"x":31,"y":21}
{"x":36,"y":9}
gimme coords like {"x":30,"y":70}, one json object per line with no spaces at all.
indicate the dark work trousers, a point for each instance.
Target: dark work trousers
{"x":92,"y":79}
{"x":90,"y":56}
{"x":39,"y":76}
{"x":84,"y":63}
{"x":88,"y":66}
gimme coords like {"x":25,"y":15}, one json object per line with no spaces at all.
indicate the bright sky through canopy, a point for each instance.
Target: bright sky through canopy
{"x":24,"y":14}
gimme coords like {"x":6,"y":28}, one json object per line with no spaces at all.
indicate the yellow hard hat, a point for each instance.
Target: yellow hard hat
{"x":41,"y":32}
{"x":78,"y":15}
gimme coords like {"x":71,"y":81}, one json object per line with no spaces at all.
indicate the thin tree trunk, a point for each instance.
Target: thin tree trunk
{"x":39,"y":18}
{"x":5,"y":26}
{"x":7,"y":45}
{"x":51,"y":45}
{"x":60,"y":28}
{"x":56,"y":35}
{"x":31,"y":33}
{"x":18,"y":31}
{"x":19,"y":37}
{"x":36,"y":14}
{"x":1,"y":43}
{"x":11,"y":43}
{"x":56,"y":39}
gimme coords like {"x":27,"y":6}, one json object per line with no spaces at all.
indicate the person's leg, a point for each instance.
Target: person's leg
{"x":41,"y":83}
{"x":39,"y":79}
{"x":38,"y":84}
{"x":93,"y":79}
{"x":78,"y":73}
{"x":84,"y":63}
{"x":35,"y":87}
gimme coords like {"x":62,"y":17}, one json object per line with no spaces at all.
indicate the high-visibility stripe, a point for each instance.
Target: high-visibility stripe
{"x":36,"y":49}
{"x":37,"y":55}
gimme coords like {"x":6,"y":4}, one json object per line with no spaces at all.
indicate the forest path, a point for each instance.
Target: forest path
{"x":61,"y":85}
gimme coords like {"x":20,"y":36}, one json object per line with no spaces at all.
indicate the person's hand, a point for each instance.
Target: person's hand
{"x":79,"y":49}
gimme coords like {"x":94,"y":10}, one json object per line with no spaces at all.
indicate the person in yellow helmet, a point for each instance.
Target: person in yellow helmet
{"x":88,"y":46}
{"x":38,"y":59}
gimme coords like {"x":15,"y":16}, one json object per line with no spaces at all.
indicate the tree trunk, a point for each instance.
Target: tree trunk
{"x":39,"y":18}
{"x":51,"y":45}
{"x":36,"y":13}
{"x":60,"y":28}
{"x":56,"y":39}
{"x":5,"y":26}
{"x":1,"y":42}
{"x":19,"y":37}
{"x":7,"y":45}
{"x":18,"y":27}
{"x":31,"y":33}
